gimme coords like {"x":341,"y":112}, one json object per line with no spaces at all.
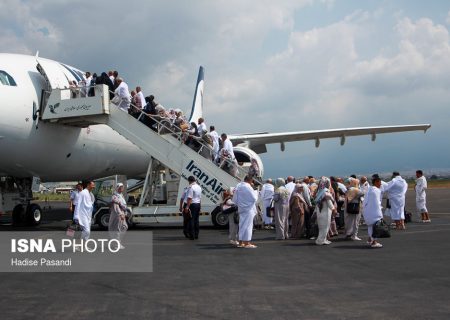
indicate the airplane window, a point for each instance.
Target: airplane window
{"x":6,"y":79}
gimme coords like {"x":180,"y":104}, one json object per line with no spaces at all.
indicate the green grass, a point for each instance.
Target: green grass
{"x":51,"y":197}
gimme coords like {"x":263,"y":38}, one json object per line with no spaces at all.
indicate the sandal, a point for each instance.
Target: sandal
{"x":250,"y":246}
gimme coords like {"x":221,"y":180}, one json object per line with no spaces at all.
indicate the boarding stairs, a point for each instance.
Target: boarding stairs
{"x":165,"y":143}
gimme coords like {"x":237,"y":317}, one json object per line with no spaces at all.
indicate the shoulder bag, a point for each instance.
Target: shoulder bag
{"x":381,"y":230}
{"x":353,"y":208}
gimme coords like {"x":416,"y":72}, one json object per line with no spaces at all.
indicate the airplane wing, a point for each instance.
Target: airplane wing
{"x":258,"y":141}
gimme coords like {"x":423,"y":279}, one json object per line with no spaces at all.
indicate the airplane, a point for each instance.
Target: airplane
{"x":57,"y":152}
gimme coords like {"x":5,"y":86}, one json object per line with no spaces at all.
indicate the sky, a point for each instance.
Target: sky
{"x":270,"y":66}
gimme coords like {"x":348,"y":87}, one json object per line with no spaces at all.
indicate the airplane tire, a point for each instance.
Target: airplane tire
{"x":34,"y":214}
{"x":103,"y":219}
{"x":18,"y":215}
{"x":219,"y":219}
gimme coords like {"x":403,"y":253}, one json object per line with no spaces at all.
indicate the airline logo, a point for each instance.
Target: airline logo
{"x":211,"y":187}
{"x":53,"y":108}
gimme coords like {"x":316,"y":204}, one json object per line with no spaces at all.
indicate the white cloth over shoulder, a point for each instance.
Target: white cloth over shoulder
{"x":421,"y":196}
{"x":124,"y":96}
{"x":201,"y":128}
{"x":267,"y":192}
{"x":142,"y":98}
{"x":290,"y":186}
{"x":372,"y":206}
{"x":266,"y":196}
{"x":228,"y":146}
{"x":245,"y":198}
{"x":83,"y":210}
{"x":396,"y":190}
{"x":215,"y":138}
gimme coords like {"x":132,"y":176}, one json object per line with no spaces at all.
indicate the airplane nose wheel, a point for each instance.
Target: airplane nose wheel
{"x":34,"y":214}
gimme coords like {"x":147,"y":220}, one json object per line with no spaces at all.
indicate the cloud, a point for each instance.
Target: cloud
{"x":23,"y":31}
{"x":263,"y":71}
{"x":422,"y":61}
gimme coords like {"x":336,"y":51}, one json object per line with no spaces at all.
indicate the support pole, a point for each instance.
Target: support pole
{"x":147,"y":183}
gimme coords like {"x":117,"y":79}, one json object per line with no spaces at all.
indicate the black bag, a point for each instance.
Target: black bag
{"x":381,"y":230}
{"x":388,"y":204}
{"x":352,"y":208}
{"x":408,"y":216}
{"x":236,"y":217}
{"x":270,"y":210}
{"x":230,"y":210}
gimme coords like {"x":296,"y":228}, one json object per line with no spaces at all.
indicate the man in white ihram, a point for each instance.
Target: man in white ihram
{"x":421,"y":196}
{"x":245,"y":198}
{"x":123,"y":95}
{"x":83,"y":210}
{"x":396,"y":190}
{"x":215,"y":138}
{"x":266,"y":195}
{"x":201,"y":128}
{"x":228,"y":145}
{"x":290,"y":185}
{"x":372,"y":210}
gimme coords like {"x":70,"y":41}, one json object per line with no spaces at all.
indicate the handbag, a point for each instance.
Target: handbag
{"x":270,"y":210}
{"x":230,"y":210}
{"x":236,"y":217}
{"x":381,"y":230}
{"x":353,"y":208}
{"x":73,"y":230}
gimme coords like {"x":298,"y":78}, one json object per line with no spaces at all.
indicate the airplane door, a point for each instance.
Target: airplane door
{"x":55,"y":79}
{"x":53,"y":74}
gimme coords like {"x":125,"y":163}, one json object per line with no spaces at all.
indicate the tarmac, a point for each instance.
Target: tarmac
{"x":294,"y":279}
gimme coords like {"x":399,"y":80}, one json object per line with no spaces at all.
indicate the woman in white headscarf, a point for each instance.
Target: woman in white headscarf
{"x":324,"y":207}
{"x":281,"y":208}
{"x":117,"y":215}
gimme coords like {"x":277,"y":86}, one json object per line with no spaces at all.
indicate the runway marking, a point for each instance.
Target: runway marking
{"x":423,"y":231}
{"x":440,"y":213}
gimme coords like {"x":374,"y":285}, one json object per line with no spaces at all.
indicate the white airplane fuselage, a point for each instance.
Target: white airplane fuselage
{"x":55,"y":152}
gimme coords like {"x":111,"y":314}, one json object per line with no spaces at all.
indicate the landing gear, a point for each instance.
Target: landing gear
{"x":219,"y":219}
{"x":16,"y":196}
{"x":30,"y":215}
{"x":34,"y":214}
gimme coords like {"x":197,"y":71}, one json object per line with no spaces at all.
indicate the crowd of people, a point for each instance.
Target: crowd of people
{"x":296,"y":208}
{"x":82,"y":202}
{"x":320,"y":209}
{"x":196,"y":135}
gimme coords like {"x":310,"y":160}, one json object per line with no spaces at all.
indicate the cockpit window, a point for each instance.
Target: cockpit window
{"x":6,"y":79}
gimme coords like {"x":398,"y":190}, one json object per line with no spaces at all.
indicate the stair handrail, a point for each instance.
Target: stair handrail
{"x":240,"y":171}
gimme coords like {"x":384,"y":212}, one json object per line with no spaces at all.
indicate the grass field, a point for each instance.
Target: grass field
{"x":50,"y":197}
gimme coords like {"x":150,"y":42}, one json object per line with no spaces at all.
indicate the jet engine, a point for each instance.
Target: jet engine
{"x":244,"y":157}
